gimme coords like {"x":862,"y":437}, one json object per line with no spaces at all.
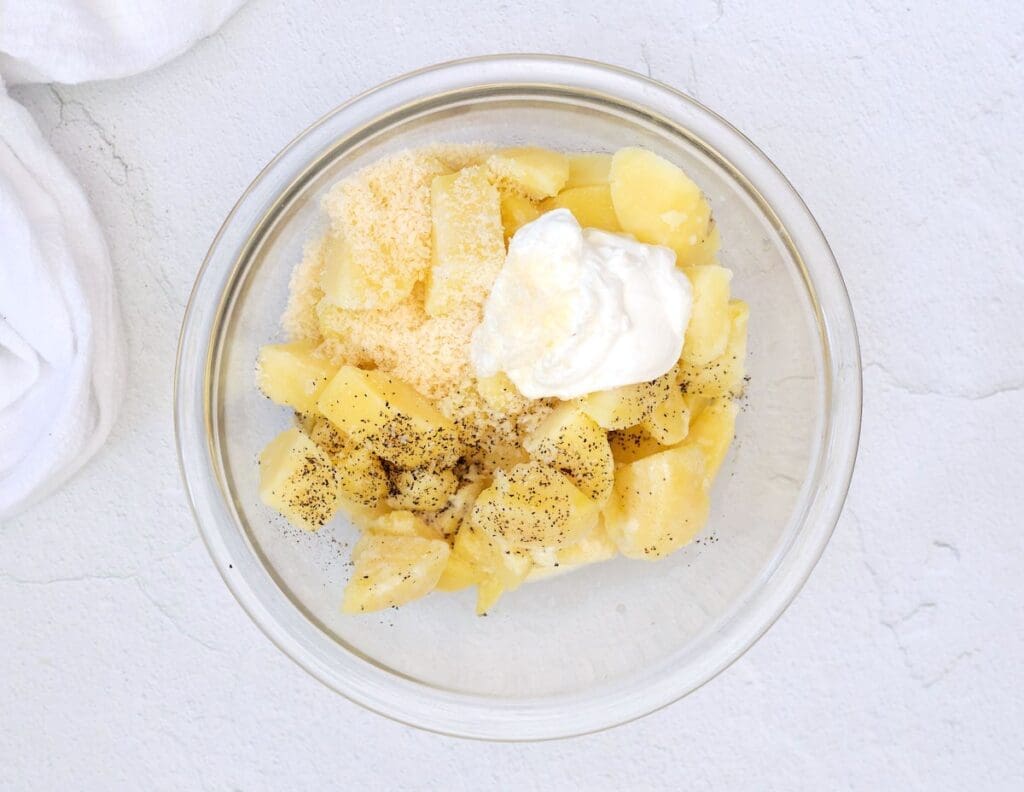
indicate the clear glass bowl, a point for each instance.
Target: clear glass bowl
{"x":611,"y":642}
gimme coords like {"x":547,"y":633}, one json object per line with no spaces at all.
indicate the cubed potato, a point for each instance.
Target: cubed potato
{"x":619,"y":408}
{"x":594,"y":547}
{"x":629,"y":445}
{"x":710,"y":319}
{"x":361,"y":516}
{"x":403,"y":523}
{"x":292,"y":374}
{"x":670,"y":421}
{"x":516,"y":211}
{"x":386,"y":415}
{"x":659,"y":503}
{"x":573,"y":443}
{"x":422,"y":489}
{"x":723,"y":376}
{"x":591,"y":206}
{"x":532,"y":506}
{"x":459,"y":572}
{"x":713,"y":431}
{"x":498,"y":392}
{"x":586,"y":170}
{"x":361,"y":476}
{"x":706,"y":251}
{"x":659,"y":204}
{"x":536,"y":172}
{"x":362,"y":283}
{"x":449,"y":518}
{"x":298,"y":480}
{"x":488,"y":561}
{"x":393,"y":570}
{"x":468,"y":240}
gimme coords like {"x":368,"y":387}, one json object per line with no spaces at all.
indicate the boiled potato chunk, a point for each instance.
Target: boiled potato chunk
{"x":487,"y":561}
{"x":629,"y":445}
{"x":593,"y":548}
{"x":723,"y":376}
{"x":572,"y":442}
{"x":402,"y":523}
{"x":362,"y":517}
{"x":619,"y":408}
{"x":292,"y":374}
{"x":710,"y":318}
{"x":586,"y":170}
{"x":657,"y":203}
{"x":350,"y":281}
{"x":659,"y":503}
{"x":422,"y":489}
{"x":468,"y":240}
{"x":532,"y":506}
{"x":536,"y":172}
{"x":516,"y":211}
{"x":706,"y":251}
{"x":712,"y":432}
{"x":459,"y":572}
{"x":591,"y":206}
{"x":393,"y":570}
{"x":298,"y":480}
{"x":449,"y":518}
{"x":390,"y":418}
{"x":498,"y":392}
{"x":670,"y":421}
{"x":361,"y":476}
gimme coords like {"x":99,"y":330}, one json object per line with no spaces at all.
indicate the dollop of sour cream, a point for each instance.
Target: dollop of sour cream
{"x":577,"y":310}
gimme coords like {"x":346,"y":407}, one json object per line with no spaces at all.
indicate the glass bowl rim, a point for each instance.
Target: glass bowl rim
{"x":481,"y":717}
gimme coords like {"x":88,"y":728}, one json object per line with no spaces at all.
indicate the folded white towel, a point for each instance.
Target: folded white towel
{"x":72,"y":41}
{"x":61,"y":358}
{"x":61,"y":363}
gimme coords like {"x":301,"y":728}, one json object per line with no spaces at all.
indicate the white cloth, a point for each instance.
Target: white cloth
{"x":61,"y":362}
{"x":72,"y":41}
{"x":62,"y":367}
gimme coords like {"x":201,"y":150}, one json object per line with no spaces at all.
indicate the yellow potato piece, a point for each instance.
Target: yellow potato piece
{"x":498,"y":392}
{"x":629,"y":445}
{"x":422,"y":489}
{"x":402,"y":523}
{"x":390,"y":418}
{"x":591,"y":206}
{"x":713,"y":431}
{"x":487,"y":561}
{"x":586,"y":170}
{"x":516,"y":211}
{"x":710,"y":318}
{"x":670,"y":421}
{"x":659,"y":503}
{"x":362,"y":517}
{"x":393,"y":570}
{"x":449,"y":518}
{"x":706,"y":251}
{"x":619,"y":408}
{"x":572,"y":442}
{"x":361,"y":476}
{"x":533,"y":506}
{"x":292,"y":374}
{"x":593,"y":548}
{"x":536,"y":172}
{"x":298,"y":480}
{"x":723,"y":376}
{"x":468,"y":240}
{"x":659,"y":204}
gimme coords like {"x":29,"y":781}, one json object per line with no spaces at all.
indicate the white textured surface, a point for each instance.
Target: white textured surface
{"x":125,"y":662}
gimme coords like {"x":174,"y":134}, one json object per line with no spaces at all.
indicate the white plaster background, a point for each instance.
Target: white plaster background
{"x":126,"y":664}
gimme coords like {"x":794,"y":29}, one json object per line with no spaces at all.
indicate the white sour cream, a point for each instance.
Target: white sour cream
{"x":578,"y":310}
